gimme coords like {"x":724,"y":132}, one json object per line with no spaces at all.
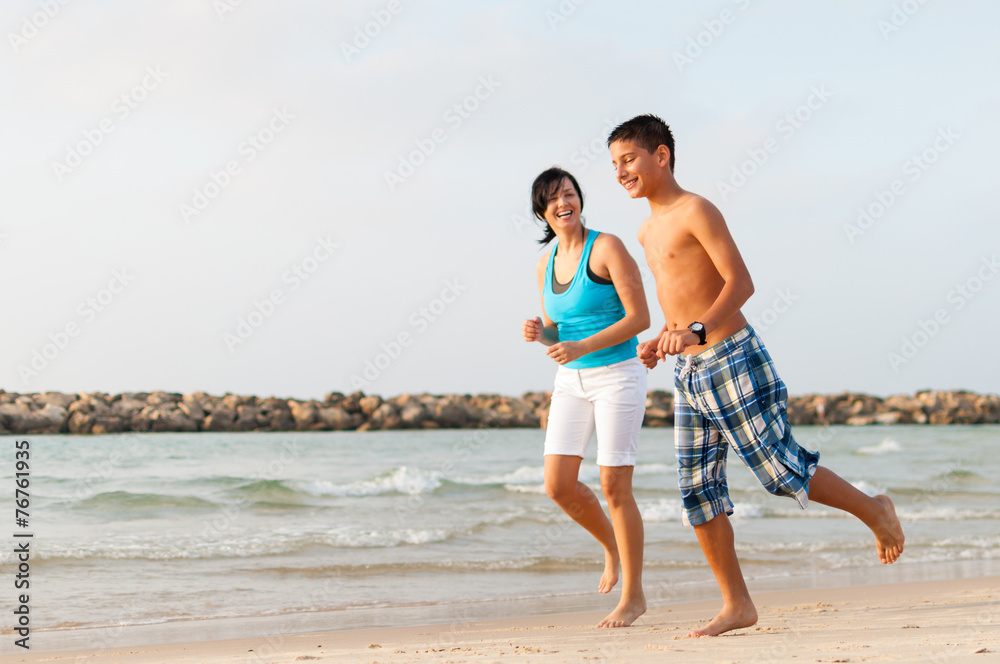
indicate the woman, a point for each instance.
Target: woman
{"x":593,"y":306}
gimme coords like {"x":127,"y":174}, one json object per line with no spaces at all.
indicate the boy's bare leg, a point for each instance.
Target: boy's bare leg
{"x":878,"y":513}
{"x":577,"y":500}
{"x":616,"y":483}
{"x":719,"y":546}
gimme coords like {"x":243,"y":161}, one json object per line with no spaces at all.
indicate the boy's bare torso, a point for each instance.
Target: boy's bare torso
{"x":687,"y":281}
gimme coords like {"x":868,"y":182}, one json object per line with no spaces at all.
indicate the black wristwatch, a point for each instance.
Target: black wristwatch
{"x":698,"y":329}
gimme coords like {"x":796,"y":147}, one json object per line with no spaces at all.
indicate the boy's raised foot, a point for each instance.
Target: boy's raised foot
{"x":730,"y":618}
{"x":889,"y":535}
{"x":610,"y":576}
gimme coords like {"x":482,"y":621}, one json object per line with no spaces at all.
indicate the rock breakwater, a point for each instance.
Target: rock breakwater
{"x":100,"y":413}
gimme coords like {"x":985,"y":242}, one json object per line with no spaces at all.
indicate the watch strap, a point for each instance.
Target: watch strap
{"x":699,"y":329}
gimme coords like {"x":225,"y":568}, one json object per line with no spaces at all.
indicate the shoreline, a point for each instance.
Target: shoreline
{"x":101,"y":413}
{"x":663,"y":595}
{"x":956,"y":619}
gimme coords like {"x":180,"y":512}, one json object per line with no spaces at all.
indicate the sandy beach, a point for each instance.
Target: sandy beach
{"x":939,"y":621}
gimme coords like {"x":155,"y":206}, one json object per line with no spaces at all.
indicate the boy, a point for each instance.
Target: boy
{"x":726,"y":389}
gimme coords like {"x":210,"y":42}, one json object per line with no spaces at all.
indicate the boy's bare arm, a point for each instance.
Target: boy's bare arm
{"x":710,"y":229}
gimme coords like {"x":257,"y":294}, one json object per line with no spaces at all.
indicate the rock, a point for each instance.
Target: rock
{"x":194,"y":398}
{"x":221,"y":419}
{"x":384,"y":417}
{"x":55,"y":398}
{"x":15,"y":409}
{"x":404,"y":400}
{"x":111,"y":424}
{"x":247,"y":418}
{"x":81,"y":422}
{"x":370,"y":404}
{"x":81,"y":406}
{"x":159,"y":398}
{"x":96,"y":412}
{"x":18,"y":419}
{"x":192,"y":409}
{"x":170,"y":419}
{"x":352,"y":402}
{"x":800,"y":412}
{"x":413,"y":415}
{"x":888,"y":418}
{"x":656,"y":413}
{"x":234,"y":401}
{"x":450,"y":415}
{"x":338,"y":419}
{"x":281,"y":420}
{"x":988,"y":406}
{"x":304,"y":414}
{"x":127,"y":407}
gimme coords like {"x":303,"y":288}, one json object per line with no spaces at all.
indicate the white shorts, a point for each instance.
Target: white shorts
{"x":610,"y":399}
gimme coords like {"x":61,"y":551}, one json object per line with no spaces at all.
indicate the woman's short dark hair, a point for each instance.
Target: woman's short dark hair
{"x":543,"y":188}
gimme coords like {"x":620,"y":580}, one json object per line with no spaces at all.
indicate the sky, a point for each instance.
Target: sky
{"x":293,"y":198}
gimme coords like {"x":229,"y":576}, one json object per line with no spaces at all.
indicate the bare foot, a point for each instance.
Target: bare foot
{"x":610,"y":576}
{"x":743,"y":615}
{"x":624,"y":614}
{"x":889,"y":534}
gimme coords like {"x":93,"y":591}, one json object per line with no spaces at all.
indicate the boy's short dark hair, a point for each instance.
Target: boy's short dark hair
{"x":544,"y":186}
{"x":648,"y":132}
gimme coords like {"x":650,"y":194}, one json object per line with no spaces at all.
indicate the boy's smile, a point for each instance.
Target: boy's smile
{"x":628,"y":160}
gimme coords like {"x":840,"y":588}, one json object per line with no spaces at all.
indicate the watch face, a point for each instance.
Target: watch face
{"x":697,"y":327}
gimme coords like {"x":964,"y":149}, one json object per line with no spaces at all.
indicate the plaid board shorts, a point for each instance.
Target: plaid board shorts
{"x":730,"y":394}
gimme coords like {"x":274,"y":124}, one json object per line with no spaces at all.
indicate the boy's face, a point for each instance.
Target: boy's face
{"x":635,"y":168}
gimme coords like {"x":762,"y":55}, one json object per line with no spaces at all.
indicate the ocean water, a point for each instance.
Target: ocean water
{"x":343,"y":529}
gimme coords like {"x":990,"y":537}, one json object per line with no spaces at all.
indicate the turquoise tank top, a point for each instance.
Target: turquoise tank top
{"x":586,"y":308}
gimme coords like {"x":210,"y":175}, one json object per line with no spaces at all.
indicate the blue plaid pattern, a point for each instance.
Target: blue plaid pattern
{"x":730,"y":394}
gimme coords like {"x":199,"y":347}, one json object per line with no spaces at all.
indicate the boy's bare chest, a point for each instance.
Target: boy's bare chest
{"x":670,"y":249}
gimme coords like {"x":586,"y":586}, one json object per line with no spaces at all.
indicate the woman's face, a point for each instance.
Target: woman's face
{"x":563,"y":210}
